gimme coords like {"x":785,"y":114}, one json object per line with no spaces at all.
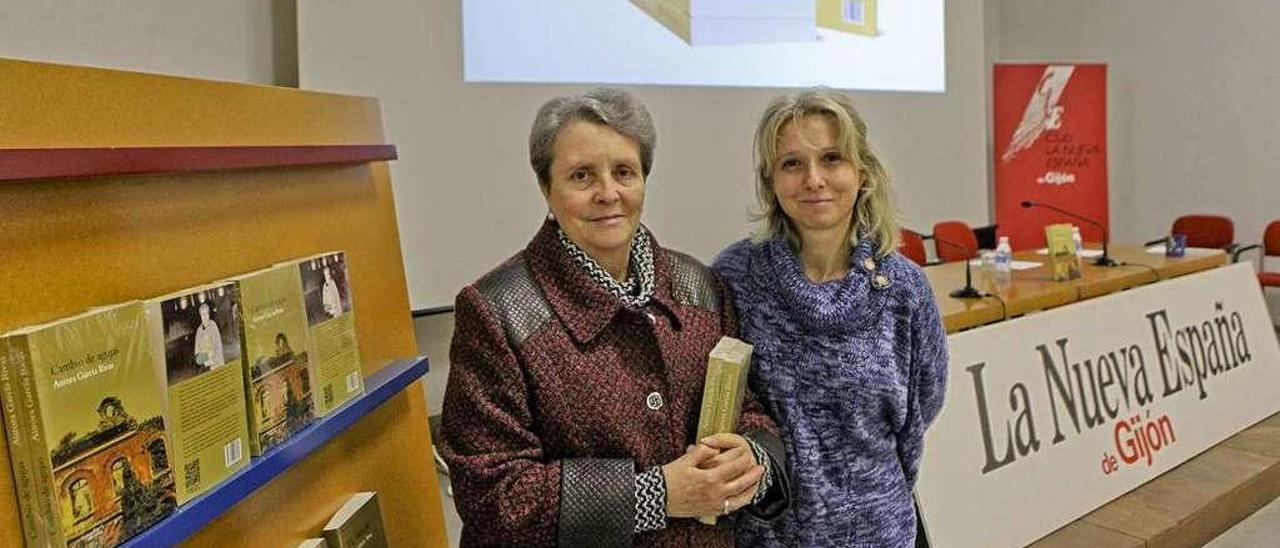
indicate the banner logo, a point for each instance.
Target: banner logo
{"x":1043,"y":112}
{"x":1050,"y":145}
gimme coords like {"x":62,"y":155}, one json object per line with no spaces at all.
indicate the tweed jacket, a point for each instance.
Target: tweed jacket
{"x":558,"y":395}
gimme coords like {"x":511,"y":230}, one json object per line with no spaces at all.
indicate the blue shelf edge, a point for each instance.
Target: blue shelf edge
{"x":196,"y":513}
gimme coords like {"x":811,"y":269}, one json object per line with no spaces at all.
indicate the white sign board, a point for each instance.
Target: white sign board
{"x":1052,"y":415}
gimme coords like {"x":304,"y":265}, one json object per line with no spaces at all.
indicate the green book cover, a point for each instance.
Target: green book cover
{"x":1064,"y":263}
{"x":47,"y":518}
{"x":722,"y":391}
{"x":724,"y":404}
{"x":19,"y":458}
{"x":335,"y":355}
{"x":93,"y":387}
{"x":195,"y":338}
{"x":710,"y":397}
{"x":737,"y":364}
{"x":276,"y":361}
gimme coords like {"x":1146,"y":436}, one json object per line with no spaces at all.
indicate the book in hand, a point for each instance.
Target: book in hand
{"x":90,"y":405}
{"x":1064,"y":262}
{"x":276,"y":361}
{"x":724,"y":390}
{"x":357,"y":524}
{"x":335,"y":355}
{"x":195,"y":337}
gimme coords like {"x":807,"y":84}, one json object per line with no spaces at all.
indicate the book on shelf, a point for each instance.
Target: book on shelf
{"x":357,"y":524}
{"x":1064,"y":262}
{"x":196,"y":345}
{"x":91,"y":408}
{"x":19,"y":458}
{"x":336,"y":376}
{"x":276,"y":360}
{"x":723,"y":392}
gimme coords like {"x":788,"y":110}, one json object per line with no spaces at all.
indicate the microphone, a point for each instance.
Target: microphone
{"x":1105,"y":259}
{"x":968,"y":291}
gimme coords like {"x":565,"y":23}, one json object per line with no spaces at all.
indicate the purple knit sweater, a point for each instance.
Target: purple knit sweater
{"x":853,"y":370}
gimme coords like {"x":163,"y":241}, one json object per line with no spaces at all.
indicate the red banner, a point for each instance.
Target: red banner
{"x":1051,"y":148}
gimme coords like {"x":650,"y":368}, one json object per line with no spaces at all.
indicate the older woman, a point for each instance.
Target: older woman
{"x":578,"y":364}
{"x":850,"y":354}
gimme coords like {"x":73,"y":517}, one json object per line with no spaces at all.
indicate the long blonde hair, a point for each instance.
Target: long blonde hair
{"x":873,"y":213}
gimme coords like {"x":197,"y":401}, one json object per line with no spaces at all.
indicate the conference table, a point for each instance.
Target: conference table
{"x":1033,"y":289}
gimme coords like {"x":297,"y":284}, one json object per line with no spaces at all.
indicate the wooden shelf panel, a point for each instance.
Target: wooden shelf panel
{"x":24,"y":164}
{"x":193,"y":516}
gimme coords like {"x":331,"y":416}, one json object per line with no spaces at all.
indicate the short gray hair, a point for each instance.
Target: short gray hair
{"x":614,"y":108}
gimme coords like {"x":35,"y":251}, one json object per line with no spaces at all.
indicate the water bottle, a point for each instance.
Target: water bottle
{"x":1003,"y":262}
{"x":1079,"y":243}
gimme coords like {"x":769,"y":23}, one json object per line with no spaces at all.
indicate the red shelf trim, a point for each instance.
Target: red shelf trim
{"x":23,"y":164}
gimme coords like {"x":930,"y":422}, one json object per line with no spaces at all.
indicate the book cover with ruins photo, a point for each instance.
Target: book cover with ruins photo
{"x":276,"y":361}
{"x":96,"y":434}
{"x":1064,"y":261}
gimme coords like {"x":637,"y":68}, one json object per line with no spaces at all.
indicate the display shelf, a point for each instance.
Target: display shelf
{"x":191,"y":517}
{"x":116,"y":184}
{"x":24,"y":164}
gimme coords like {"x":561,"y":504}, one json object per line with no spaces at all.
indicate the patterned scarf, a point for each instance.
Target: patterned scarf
{"x":636,"y":291}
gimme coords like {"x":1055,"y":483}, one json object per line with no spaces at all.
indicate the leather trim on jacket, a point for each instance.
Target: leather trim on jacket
{"x":516,"y":299}
{"x":692,"y":283}
{"x":597,"y":503}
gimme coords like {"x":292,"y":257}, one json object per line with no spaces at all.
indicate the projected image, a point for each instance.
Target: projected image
{"x":851,"y":44}
{"x":700,"y":23}
{"x":715,"y":22}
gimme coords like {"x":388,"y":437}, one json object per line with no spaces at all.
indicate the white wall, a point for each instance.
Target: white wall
{"x":467,"y":198}
{"x":929,"y":140}
{"x":237,"y":40}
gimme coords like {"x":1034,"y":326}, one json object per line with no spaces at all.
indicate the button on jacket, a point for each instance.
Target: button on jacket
{"x":558,"y":395}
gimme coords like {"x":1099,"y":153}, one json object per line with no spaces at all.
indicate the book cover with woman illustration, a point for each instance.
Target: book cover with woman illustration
{"x":326,"y":295}
{"x":195,"y":335}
